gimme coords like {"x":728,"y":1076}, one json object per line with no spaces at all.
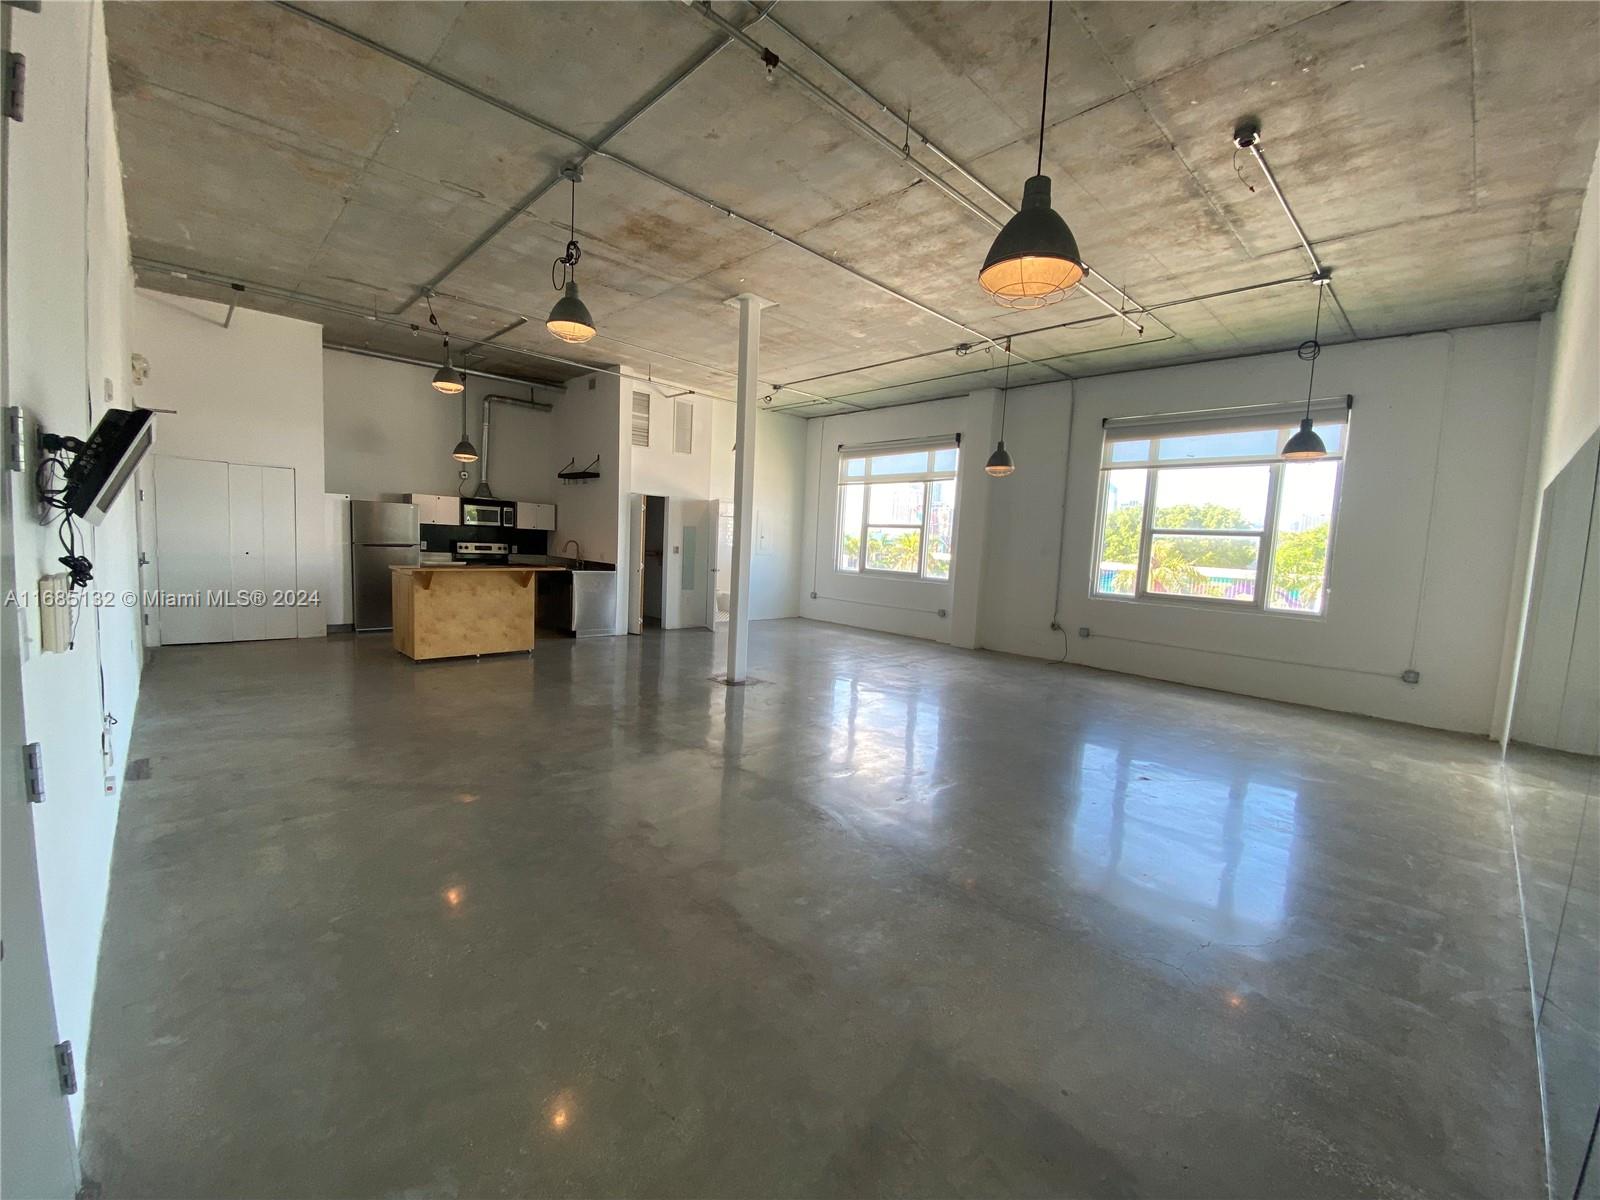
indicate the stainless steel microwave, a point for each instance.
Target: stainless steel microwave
{"x":487,"y":512}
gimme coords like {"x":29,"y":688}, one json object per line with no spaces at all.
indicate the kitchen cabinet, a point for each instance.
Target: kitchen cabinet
{"x":436,"y":510}
{"x":535,"y":516}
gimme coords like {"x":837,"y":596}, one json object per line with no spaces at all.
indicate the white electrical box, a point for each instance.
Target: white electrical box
{"x":55,"y":613}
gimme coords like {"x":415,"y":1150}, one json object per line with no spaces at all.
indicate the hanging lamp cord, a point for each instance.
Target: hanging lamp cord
{"x":562,"y":270}
{"x":1005,"y":392}
{"x":1049,"y":22}
{"x":1308,"y":351}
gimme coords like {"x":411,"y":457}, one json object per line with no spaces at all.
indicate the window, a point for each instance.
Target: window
{"x":641,"y":419}
{"x":897,"y":511}
{"x":683,"y":426}
{"x":1203,"y":509}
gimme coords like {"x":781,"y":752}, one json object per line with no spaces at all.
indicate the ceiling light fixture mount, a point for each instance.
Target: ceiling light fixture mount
{"x":1307,"y":445}
{"x":1034,"y":259}
{"x":569,"y":320}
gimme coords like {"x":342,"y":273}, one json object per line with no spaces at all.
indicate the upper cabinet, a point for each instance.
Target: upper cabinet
{"x":535,"y":516}
{"x":436,"y":510}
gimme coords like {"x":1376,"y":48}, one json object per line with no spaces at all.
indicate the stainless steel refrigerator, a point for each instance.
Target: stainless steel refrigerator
{"x":382,"y":535}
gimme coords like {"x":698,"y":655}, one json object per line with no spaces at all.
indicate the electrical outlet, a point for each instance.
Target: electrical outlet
{"x":1411,"y":675}
{"x":1083,"y":631}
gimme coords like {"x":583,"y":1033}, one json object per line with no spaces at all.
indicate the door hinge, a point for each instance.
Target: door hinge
{"x":16,"y":78}
{"x":33,"y":770}
{"x":66,"y":1069}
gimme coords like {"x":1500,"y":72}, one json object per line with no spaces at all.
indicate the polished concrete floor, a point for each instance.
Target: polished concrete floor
{"x":896,"y":920}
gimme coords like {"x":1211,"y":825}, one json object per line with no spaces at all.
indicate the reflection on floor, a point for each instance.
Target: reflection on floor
{"x":896,"y":919}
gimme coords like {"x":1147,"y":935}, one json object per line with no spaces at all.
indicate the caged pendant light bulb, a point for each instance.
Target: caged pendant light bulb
{"x":1034,"y":260}
{"x":1307,"y":444}
{"x":569,"y":320}
{"x":1000,"y":464}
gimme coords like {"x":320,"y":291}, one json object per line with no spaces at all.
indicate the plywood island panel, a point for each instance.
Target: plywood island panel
{"x":450,"y":612}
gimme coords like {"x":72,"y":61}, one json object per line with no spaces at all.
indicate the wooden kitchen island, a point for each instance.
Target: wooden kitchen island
{"x":452,"y":611}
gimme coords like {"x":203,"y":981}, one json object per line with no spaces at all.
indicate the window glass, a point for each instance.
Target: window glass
{"x":851,"y":498}
{"x":1128,"y":451}
{"x":894,"y":549}
{"x":895,"y":503}
{"x":1120,"y":529}
{"x":1300,"y":547}
{"x":944,"y":460}
{"x":1212,"y":498}
{"x":898,"y":464}
{"x":1216,"y":568}
{"x":941,"y":528}
{"x":853,"y":468}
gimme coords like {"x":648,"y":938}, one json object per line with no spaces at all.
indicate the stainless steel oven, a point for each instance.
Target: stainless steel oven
{"x":487,"y":512}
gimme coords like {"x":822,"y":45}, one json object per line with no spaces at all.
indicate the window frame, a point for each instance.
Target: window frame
{"x":1267,"y":535}
{"x":866,"y":481}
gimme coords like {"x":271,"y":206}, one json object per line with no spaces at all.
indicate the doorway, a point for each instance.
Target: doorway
{"x":652,"y":581}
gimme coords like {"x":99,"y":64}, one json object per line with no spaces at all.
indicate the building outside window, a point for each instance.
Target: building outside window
{"x":897,"y":511}
{"x":1202,"y":509}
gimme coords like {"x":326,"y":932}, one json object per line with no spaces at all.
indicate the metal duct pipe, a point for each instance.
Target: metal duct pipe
{"x":483,"y":491}
{"x":540,"y":405}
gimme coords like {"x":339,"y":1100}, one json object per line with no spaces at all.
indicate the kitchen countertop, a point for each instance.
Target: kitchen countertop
{"x":460,"y":566}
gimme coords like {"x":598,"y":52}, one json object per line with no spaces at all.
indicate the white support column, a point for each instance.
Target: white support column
{"x":744,"y":484}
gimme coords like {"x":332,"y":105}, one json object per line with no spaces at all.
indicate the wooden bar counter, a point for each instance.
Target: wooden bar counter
{"x":453,"y":611}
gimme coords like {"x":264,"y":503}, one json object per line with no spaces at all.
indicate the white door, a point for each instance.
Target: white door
{"x":225,"y":549}
{"x":635,"y":563}
{"x":192,"y":558}
{"x":687,"y":581}
{"x":722,"y":566}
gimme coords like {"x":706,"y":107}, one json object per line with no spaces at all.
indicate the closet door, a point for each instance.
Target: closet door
{"x":192,"y":563}
{"x":247,"y":573}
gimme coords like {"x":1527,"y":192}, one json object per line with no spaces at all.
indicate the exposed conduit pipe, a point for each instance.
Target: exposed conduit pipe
{"x":483,"y":492}
{"x":1247,"y":136}
{"x":540,"y":405}
{"x":595,"y":151}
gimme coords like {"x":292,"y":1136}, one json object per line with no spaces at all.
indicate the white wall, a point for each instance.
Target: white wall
{"x":388,"y":433}
{"x":68,"y":346}
{"x":248,"y":393}
{"x":1422,"y":566}
{"x":907,"y":606}
{"x":775,"y":564}
{"x":658,"y":469}
{"x":1572,"y":408}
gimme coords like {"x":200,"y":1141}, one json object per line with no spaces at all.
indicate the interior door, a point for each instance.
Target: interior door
{"x":722,"y":567}
{"x":635,"y":561}
{"x":687,"y":576}
{"x":246,"y":555}
{"x":192,"y":558}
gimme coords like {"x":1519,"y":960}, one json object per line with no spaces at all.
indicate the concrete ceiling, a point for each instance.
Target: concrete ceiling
{"x":339,"y":158}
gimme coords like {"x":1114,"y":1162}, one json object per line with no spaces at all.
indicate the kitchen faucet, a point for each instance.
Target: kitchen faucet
{"x":573,"y":542}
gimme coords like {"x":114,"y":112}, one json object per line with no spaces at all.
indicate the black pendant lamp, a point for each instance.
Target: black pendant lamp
{"x":569,"y":320}
{"x":446,"y":379}
{"x":1307,"y":445}
{"x":1000,"y":464}
{"x":464,"y":452}
{"x":1034,"y":260}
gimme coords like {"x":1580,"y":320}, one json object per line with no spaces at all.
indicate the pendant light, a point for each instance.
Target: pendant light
{"x":569,"y":320}
{"x":1000,"y":464}
{"x":1034,"y":260}
{"x":1306,"y":444}
{"x":464,"y":451}
{"x":446,"y":379}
